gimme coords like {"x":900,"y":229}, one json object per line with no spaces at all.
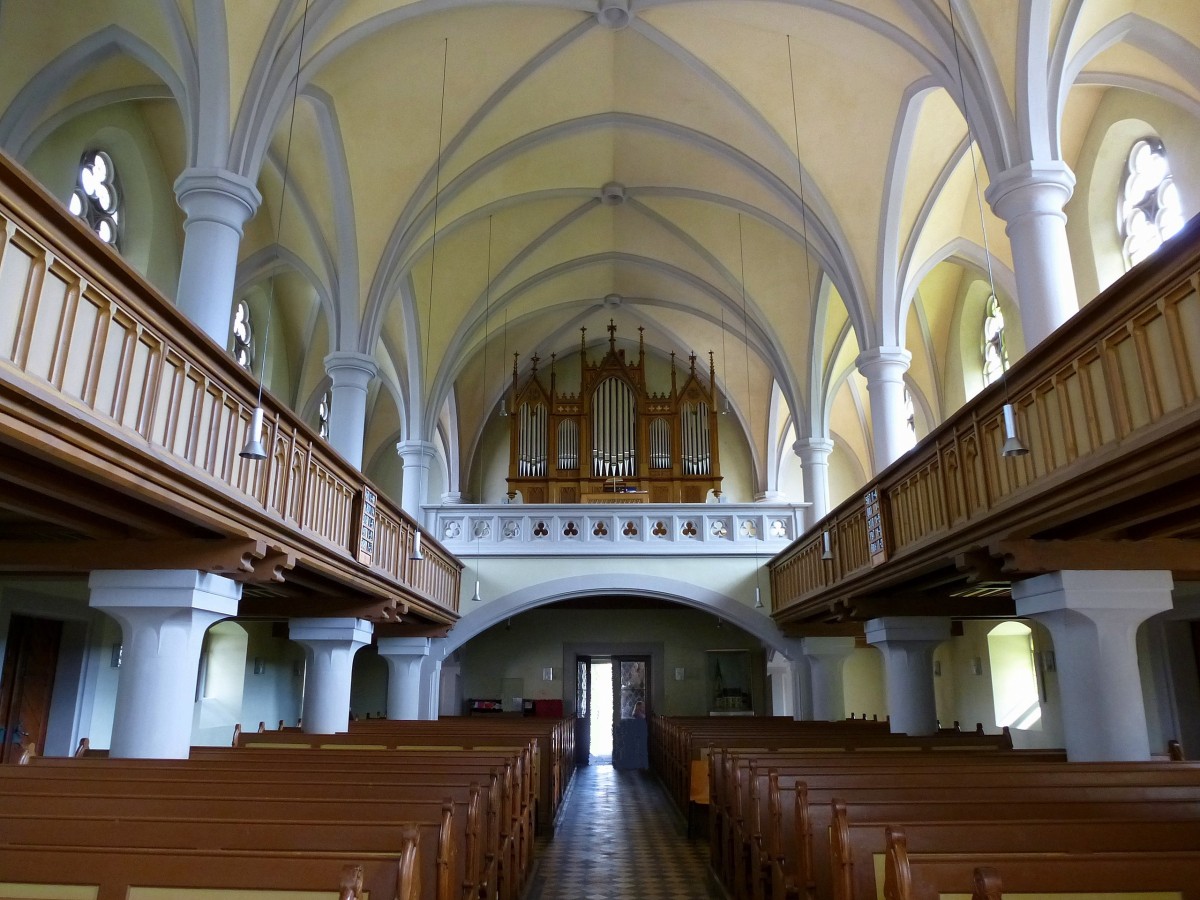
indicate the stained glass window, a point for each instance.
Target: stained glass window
{"x":243,"y":336}
{"x":1150,"y":210}
{"x":995,"y":355}
{"x":96,"y":198}
{"x":323,"y":416}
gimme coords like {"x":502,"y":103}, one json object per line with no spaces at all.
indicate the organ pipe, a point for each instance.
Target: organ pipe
{"x":662,"y":445}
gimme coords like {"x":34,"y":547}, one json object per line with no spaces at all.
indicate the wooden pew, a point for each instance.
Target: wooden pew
{"x":524,"y":781}
{"x":778,"y":837}
{"x":856,"y":847}
{"x":927,"y":876}
{"x":247,"y":872}
{"x":355,"y":776}
{"x":349,"y":838}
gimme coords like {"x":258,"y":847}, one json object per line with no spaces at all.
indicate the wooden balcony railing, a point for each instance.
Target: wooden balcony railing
{"x":1107,"y":406}
{"x":136,"y":394}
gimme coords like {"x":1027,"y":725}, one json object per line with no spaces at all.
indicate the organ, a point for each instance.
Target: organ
{"x":614,"y":441}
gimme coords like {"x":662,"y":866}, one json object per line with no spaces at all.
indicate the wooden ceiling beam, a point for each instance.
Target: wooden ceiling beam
{"x":1029,"y":557}
{"x":90,"y":497}
{"x":243,"y":560}
{"x":33,"y":505}
{"x":369,"y":608}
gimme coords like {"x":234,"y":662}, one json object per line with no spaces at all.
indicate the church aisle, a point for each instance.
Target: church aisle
{"x":620,"y":838}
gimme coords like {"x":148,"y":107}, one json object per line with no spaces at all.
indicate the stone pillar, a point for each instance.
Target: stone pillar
{"x":1030,"y":199}
{"x":779,"y":678}
{"x":826,"y":659}
{"x":800,"y":681}
{"x":329,"y":648}
{"x":884,"y":369}
{"x":417,"y":456}
{"x":451,"y":699}
{"x":217,"y":203}
{"x":163,"y":615}
{"x":907,"y":644}
{"x":351,"y":374}
{"x":814,"y":469}
{"x":404,"y":657}
{"x":431,"y":680}
{"x":1093,"y":618}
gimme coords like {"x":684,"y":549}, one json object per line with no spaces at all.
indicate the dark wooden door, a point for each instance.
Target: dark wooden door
{"x":27,"y":683}
{"x":583,"y":710}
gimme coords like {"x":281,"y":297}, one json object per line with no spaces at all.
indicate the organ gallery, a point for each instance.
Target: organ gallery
{"x":616,"y":440}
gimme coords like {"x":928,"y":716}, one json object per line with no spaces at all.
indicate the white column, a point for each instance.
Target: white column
{"x":826,"y":659}
{"x":404,"y":657}
{"x":800,"y":681}
{"x":907,"y":644}
{"x":1030,"y":199}
{"x":884,"y":369}
{"x":217,"y":203}
{"x":814,"y":469}
{"x":451,"y":698}
{"x":1093,"y":617}
{"x":329,"y":648}
{"x":163,"y":615}
{"x":779,"y":677}
{"x":351,"y":374}
{"x":431,"y":680}
{"x":417,"y":457}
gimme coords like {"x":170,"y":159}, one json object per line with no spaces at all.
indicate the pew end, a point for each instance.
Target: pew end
{"x":987,"y":884}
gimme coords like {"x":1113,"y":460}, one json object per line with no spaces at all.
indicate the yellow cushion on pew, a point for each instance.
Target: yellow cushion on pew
{"x":354,"y":746}
{"x":10,"y":889}
{"x":152,"y":893}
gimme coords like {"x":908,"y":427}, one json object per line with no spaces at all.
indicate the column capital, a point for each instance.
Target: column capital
{"x":923,"y":629}
{"x":1031,"y":188}
{"x":351,"y":369}
{"x":417,"y":452}
{"x":217,"y":195}
{"x":403,"y":646}
{"x":812,"y":450}
{"x":827,"y":647}
{"x":331,"y":629}
{"x":770,"y":497}
{"x":884,"y":363}
{"x":170,"y":589}
{"x":1087,"y":591}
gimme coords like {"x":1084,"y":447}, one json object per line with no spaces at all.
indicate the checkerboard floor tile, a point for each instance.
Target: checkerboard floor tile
{"x":620,"y":838}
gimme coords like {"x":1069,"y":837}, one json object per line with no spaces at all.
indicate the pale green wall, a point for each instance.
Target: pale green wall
{"x":499,"y":577}
{"x":863,"y":684}
{"x":152,"y":227}
{"x":508,"y":655}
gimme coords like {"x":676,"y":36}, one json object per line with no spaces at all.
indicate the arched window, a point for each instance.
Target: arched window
{"x":910,"y":414}
{"x":1014,"y":680}
{"x":1149,"y":208}
{"x":995,"y":354}
{"x":323,"y":416}
{"x":243,"y":336}
{"x":96,"y":198}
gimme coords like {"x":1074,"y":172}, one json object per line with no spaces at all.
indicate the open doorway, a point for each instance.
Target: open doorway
{"x":600,"y":715}
{"x":612,"y":703}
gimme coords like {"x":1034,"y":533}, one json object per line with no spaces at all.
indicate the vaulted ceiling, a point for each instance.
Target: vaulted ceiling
{"x":784,"y":183}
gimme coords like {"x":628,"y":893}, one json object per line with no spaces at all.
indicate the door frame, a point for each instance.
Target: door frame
{"x":572,"y":652}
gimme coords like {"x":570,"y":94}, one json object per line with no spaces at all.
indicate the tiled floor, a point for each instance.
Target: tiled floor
{"x":619,"y":838}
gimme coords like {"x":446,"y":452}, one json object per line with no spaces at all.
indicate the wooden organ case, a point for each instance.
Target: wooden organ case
{"x":614,"y":441}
